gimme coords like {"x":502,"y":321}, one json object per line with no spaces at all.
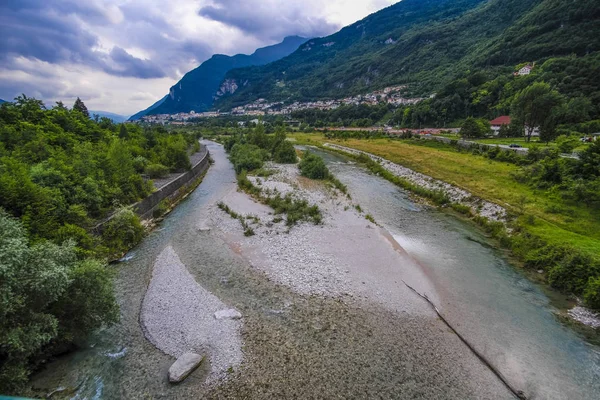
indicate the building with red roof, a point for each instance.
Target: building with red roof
{"x":498,"y":122}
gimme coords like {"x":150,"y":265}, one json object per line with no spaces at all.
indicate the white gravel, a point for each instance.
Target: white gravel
{"x":345,"y":255}
{"x":484,"y":208}
{"x":585,"y":316}
{"x":178,"y":317}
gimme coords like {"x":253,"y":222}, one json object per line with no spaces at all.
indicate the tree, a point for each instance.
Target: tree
{"x":471,"y":128}
{"x":48,"y":299}
{"x":534,"y":105}
{"x":123,"y":132}
{"x":79,"y":106}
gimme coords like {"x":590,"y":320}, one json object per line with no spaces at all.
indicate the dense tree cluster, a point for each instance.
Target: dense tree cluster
{"x":48,"y":299}
{"x":60,"y":174}
{"x":248,"y":152}
{"x":61,"y":171}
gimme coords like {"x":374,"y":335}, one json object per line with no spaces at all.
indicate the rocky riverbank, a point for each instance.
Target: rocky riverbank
{"x":478,"y":206}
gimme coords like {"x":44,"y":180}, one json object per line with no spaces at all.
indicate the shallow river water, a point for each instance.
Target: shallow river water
{"x":312,"y":347}
{"x":504,"y":315}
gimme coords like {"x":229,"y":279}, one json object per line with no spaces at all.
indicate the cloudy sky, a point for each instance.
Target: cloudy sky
{"x":122,"y":55}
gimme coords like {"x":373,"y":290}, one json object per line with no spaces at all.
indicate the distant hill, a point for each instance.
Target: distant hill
{"x":195,"y":91}
{"x":423,"y":43}
{"x":140,"y":114}
{"x":3,"y":101}
{"x":116,"y":118}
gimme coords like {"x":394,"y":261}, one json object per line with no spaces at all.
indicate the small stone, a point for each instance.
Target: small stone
{"x":540,"y":271}
{"x":203,"y":228}
{"x":228,"y":314}
{"x":184,"y":366}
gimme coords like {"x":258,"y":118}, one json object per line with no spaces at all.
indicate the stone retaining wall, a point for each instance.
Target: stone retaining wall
{"x":171,"y":190}
{"x":144,"y":208}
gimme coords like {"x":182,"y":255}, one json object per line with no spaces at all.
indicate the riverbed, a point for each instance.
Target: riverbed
{"x":306,"y":344}
{"x":507,"y":317}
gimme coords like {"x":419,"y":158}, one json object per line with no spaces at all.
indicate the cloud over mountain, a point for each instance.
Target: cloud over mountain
{"x":66,"y":46}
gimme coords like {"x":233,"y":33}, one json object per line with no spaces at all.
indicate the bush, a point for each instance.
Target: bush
{"x":285,"y":153}
{"x":591,"y":294}
{"x":123,"y":231}
{"x":156,"y":171}
{"x":313,"y":166}
{"x":573,"y":272}
{"x":48,"y":300}
{"x":247,"y":157}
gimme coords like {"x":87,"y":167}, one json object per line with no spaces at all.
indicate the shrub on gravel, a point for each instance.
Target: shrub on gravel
{"x":312,"y":166}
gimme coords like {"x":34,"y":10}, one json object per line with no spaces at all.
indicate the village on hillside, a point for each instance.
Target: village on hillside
{"x":392,"y":95}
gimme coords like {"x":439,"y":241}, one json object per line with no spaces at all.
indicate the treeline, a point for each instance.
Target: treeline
{"x":566,"y":87}
{"x":61,"y":172}
{"x":361,"y":115}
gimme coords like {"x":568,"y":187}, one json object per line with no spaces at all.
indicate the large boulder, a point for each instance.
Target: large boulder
{"x":184,"y":366}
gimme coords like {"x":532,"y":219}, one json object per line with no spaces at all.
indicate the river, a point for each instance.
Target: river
{"x":505,"y":316}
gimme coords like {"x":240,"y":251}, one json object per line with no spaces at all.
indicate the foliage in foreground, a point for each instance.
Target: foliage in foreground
{"x":123,"y":231}
{"x":48,"y":300}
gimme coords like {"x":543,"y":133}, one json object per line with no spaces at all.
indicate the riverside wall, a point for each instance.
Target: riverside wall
{"x":179,"y":185}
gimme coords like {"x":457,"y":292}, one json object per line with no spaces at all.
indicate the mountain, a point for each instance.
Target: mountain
{"x":195,"y":91}
{"x":116,"y":118}
{"x":422,"y":43}
{"x":3,"y":101}
{"x":140,"y":114}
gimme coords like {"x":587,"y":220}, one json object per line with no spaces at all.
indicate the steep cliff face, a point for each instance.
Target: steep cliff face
{"x":229,"y":86}
{"x":198,"y":88}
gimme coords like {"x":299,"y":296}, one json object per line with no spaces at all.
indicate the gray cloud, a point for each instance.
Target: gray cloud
{"x":266,"y":20}
{"x":127,"y":65}
{"x":121,"y":56}
{"x":53,"y":32}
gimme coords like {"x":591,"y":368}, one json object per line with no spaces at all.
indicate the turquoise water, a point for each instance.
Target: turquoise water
{"x":506,"y":317}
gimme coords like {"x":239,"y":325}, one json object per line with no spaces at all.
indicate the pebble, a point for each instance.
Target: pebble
{"x":228,"y":314}
{"x":178,"y":317}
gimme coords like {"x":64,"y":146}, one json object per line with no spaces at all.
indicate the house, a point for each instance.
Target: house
{"x":526,"y":70}
{"x":498,"y":122}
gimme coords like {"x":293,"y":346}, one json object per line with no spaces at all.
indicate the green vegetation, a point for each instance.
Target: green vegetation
{"x":248,"y":231}
{"x":123,"y":231}
{"x":155,"y":171}
{"x":313,"y":166}
{"x":49,"y":299}
{"x":475,"y":128}
{"x":249,"y":152}
{"x":444,"y":47}
{"x":61,"y":175}
{"x":554,"y":200}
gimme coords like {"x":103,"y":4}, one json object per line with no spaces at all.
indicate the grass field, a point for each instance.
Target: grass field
{"x":520,"y":141}
{"x":556,"y":221}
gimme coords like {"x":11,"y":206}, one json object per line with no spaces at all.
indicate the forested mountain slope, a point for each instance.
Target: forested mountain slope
{"x":426,"y":44}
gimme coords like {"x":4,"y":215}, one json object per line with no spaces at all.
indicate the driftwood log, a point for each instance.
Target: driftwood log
{"x":518,"y":393}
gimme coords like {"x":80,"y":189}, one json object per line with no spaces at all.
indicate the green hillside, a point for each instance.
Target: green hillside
{"x":196,"y":90}
{"x":425,"y":44}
